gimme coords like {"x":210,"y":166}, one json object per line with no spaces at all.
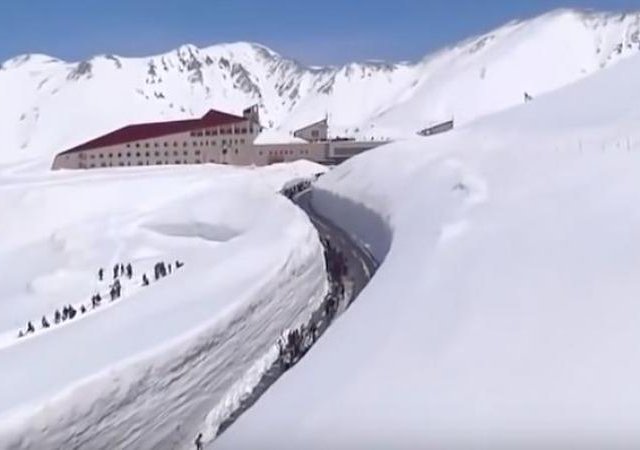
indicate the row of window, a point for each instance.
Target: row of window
{"x":186,"y":143}
{"x":285,"y":152}
{"x":138,"y":154}
{"x":141,"y":163}
{"x":214,"y":132}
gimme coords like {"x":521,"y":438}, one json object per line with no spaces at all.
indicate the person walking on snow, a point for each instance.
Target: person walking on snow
{"x":198,"y":442}
{"x":129,"y":271}
{"x":100,"y":274}
{"x":45,"y":322}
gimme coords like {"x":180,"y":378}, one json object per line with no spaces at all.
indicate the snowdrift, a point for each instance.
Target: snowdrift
{"x":506,"y":312}
{"x":144,"y":371}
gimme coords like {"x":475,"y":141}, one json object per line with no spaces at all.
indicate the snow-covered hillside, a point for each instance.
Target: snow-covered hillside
{"x":48,"y":105}
{"x":507,"y":312}
{"x":144,"y":370}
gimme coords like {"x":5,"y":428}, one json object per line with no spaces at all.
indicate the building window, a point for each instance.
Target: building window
{"x":236,"y":151}
{"x":197,"y":161}
{"x":103,"y":164}
{"x":166,"y":144}
{"x":207,"y":133}
{"x":128,"y":145}
{"x":224,"y":141}
{"x":128,"y":154}
{"x":92,"y":156}
{"x":194,"y":143}
{"x":146,"y":144}
{"x":175,"y":143}
{"x":155,"y":144}
{"x":119,"y":155}
{"x":146,"y":154}
{"x":156,"y":153}
{"x":175,"y":153}
{"x":224,"y":151}
{"x":242,"y":141}
{"x":110,"y":155}
{"x":244,"y":131}
{"x":197,"y":152}
{"x":159,"y":163}
{"x":185,"y":143}
{"x":139,"y":163}
{"x":214,"y":132}
{"x":185,"y":153}
{"x":138,"y":154}
{"x":166,"y":153}
{"x":177,"y":161}
{"x":137,"y":144}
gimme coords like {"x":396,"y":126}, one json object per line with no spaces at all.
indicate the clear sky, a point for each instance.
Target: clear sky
{"x":318,"y":32}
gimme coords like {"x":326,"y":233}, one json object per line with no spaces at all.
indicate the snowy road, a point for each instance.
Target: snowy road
{"x":361,"y":266}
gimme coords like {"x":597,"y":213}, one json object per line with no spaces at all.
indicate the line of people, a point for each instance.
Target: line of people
{"x":115,"y":292}
{"x":293,"y":344}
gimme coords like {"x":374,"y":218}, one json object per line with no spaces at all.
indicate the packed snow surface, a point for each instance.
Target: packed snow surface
{"x":145,"y":370}
{"x":49,"y":105}
{"x":506,"y":313}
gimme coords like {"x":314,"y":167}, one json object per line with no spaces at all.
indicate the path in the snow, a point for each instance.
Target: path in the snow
{"x":361,"y":266}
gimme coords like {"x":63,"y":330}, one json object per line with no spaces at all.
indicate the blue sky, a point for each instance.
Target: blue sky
{"x":325,"y":32}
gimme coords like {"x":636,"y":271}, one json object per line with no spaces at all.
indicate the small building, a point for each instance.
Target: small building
{"x":318,"y":131}
{"x":437,"y":128}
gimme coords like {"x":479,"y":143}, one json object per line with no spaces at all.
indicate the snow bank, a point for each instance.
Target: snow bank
{"x":506,"y":312}
{"x":145,"y":370}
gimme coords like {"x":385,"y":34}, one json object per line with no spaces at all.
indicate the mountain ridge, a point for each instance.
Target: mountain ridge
{"x":472,"y":78}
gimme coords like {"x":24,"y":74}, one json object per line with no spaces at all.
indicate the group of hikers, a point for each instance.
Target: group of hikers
{"x":293,"y":344}
{"x":120,"y":271}
{"x":292,"y":190}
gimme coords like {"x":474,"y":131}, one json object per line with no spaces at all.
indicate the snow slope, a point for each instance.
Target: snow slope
{"x":49,"y":105}
{"x":506,"y":313}
{"x":145,"y":371}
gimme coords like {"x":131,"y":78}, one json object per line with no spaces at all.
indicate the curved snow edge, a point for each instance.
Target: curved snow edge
{"x":364,"y":225}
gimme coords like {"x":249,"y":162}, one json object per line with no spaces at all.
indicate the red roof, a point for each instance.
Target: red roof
{"x":141,"y":131}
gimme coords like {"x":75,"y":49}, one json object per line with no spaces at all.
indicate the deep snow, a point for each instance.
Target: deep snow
{"x":506,"y":312}
{"x":145,"y":370}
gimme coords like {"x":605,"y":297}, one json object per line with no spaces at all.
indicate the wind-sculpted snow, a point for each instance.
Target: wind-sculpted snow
{"x":49,"y":105}
{"x":144,"y":371}
{"x":505,"y":314}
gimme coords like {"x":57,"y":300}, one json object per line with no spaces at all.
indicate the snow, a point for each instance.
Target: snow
{"x":147,"y":369}
{"x":506,"y":312}
{"x":50,"y":105}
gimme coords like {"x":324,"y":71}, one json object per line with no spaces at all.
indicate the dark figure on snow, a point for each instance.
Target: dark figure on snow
{"x":83,"y":309}
{"x":169,"y":268}
{"x":71,"y":311}
{"x":100,"y":274}
{"x":116,"y":269}
{"x":45,"y":322}
{"x":527,"y":97}
{"x":198,"y":442}
{"x":30,"y":327}
{"x":95,"y":301}
{"x":159,"y":270}
{"x":121,"y":269}
{"x":179,"y":264}
{"x":129,"y":271}
{"x":65,"y":313}
{"x":57,"y":317}
{"x":145,"y":280}
{"x":20,"y":334}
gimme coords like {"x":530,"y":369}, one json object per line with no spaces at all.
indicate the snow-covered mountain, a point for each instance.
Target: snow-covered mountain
{"x":48,"y":104}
